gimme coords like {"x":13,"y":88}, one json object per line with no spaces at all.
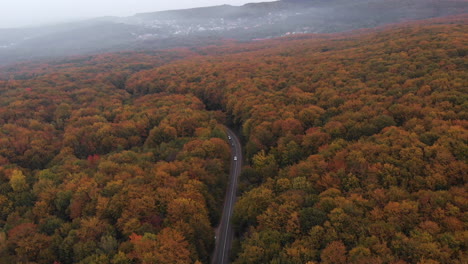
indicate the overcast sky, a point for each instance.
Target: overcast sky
{"x":18,"y":13}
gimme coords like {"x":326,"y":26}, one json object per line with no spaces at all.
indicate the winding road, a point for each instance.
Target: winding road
{"x":225,"y":232}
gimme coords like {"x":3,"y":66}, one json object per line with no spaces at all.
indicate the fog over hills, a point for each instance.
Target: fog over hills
{"x":202,"y":26}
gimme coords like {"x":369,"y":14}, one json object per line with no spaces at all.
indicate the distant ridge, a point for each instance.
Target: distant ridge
{"x":211,"y":25}
{"x":206,"y":12}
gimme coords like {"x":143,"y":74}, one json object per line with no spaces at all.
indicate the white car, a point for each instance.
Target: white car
{"x":235,"y":157}
{"x":229,"y":137}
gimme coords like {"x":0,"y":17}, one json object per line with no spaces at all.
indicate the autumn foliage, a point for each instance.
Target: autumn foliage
{"x":356,"y":151}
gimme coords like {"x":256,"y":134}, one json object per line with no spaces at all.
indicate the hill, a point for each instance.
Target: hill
{"x":212,"y":25}
{"x":356,"y":151}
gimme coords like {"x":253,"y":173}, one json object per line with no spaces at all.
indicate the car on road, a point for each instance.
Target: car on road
{"x":235,"y":157}
{"x":229,"y":137}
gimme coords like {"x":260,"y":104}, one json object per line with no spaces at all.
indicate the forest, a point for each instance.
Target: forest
{"x":355,"y":151}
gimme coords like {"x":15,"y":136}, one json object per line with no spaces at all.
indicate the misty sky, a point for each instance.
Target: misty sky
{"x":18,"y":13}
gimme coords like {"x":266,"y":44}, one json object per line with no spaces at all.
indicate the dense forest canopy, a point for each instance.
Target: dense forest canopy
{"x":356,"y":151}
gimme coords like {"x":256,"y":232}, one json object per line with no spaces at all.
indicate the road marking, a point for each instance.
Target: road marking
{"x":231,"y":195}
{"x":229,"y":206}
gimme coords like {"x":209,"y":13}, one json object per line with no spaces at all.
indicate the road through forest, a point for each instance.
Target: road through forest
{"x":225,"y":232}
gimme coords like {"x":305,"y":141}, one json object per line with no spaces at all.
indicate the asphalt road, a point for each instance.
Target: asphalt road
{"x":225,"y":232}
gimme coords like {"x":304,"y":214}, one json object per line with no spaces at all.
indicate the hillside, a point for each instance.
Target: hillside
{"x":211,"y":25}
{"x":356,"y":150}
